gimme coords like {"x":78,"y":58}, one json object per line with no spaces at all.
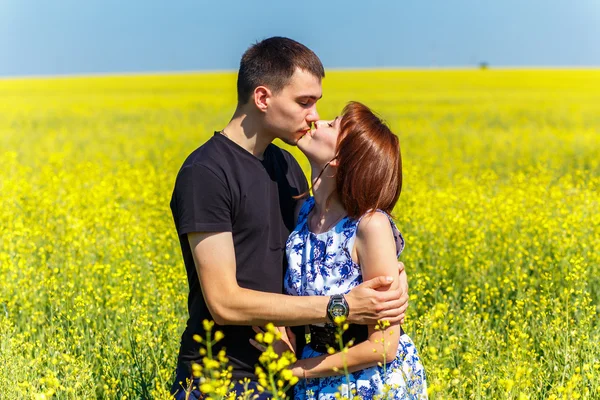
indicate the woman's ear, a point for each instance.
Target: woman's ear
{"x":334,"y":163}
{"x":261,"y":97}
{"x":333,"y":167}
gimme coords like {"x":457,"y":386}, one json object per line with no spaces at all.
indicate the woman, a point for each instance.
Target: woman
{"x":345,"y":235}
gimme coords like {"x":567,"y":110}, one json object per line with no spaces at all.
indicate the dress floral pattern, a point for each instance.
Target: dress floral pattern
{"x":321,"y":264}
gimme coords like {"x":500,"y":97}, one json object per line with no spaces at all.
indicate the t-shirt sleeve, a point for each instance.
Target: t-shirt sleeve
{"x":201,"y":201}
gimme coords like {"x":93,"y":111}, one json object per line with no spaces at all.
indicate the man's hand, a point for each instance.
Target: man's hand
{"x":368,"y":304}
{"x":403,"y":280}
{"x":289,"y":338}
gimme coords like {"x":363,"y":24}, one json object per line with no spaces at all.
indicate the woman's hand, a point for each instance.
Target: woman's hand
{"x":298,"y":372}
{"x":286,"y":343}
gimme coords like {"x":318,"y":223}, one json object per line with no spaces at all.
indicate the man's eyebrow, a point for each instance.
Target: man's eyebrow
{"x":309,"y":96}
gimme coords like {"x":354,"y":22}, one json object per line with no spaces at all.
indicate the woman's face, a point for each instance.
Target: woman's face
{"x":319,"y":145}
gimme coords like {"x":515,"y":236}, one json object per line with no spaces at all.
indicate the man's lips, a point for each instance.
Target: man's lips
{"x":304,"y":131}
{"x":308,"y":131}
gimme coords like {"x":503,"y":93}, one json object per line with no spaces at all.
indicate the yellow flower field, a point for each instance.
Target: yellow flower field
{"x":500,"y":210}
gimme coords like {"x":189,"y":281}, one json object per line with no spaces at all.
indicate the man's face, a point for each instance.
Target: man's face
{"x":292,"y":111}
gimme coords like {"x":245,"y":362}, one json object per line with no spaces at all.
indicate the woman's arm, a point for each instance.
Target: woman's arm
{"x":376,"y":253}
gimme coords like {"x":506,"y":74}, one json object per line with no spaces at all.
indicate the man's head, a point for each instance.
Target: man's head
{"x":281,"y":79}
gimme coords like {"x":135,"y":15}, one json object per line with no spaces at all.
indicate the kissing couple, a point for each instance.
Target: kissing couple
{"x":258,"y":248}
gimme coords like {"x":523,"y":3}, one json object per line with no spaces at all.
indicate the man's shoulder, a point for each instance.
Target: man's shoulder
{"x":203,"y":165}
{"x":201,"y":154}
{"x":209,"y":155}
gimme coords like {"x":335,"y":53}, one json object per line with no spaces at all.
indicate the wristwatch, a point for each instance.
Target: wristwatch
{"x":338,"y":306}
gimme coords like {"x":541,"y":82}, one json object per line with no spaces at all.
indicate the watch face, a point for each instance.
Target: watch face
{"x":338,"y":310}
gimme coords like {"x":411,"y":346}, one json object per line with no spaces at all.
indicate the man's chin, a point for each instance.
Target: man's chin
{"x":293,"y":141}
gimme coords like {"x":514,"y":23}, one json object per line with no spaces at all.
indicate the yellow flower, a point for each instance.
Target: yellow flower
{"x":206,"y":388}
{"x":208,"y":325}
{"x":268,"y":338}
{"x":287,"y":374}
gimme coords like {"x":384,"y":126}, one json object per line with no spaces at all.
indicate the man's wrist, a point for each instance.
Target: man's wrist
{"x":337,"y":307}
{"x":352,"y":314}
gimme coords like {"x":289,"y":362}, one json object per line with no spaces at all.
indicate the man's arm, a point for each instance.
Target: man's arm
{"x":230,"y":304}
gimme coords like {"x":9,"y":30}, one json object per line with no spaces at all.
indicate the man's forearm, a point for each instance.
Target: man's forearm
{"x":251,"y":307}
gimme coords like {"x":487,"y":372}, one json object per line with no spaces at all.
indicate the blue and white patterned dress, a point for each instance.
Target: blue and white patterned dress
{"x":321,"y":265}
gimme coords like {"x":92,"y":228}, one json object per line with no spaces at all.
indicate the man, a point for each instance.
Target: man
{"x":233,"y":206}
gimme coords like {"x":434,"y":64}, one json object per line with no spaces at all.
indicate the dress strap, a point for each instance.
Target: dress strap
{"x":305,"y":210}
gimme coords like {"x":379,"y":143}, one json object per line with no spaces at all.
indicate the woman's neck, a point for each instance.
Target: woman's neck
{"x":327,"y":203}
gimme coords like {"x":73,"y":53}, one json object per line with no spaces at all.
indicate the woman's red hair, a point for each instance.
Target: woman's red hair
{"x":369,"y":174}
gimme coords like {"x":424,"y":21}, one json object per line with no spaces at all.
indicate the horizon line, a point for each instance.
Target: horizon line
{"x":333,"y":69}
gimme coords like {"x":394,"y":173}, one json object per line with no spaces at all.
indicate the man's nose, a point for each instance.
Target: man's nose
{"x":313,"y":116}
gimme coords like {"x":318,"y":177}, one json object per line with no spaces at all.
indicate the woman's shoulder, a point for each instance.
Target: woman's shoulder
{"x":375,"y":224}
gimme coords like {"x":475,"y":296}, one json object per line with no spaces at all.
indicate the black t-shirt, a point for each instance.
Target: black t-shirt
{"x":221,"y":187}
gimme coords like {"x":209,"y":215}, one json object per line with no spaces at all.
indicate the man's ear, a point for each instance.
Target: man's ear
{"x":261,"y":97}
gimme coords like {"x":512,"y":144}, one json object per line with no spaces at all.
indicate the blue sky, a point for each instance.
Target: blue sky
{"x":92,"y":36}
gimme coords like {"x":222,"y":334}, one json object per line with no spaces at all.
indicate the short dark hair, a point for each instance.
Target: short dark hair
{"x":272,"y":63}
